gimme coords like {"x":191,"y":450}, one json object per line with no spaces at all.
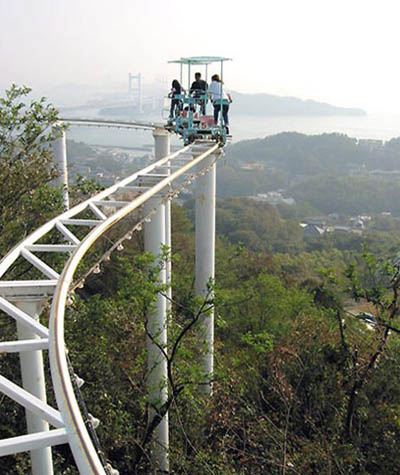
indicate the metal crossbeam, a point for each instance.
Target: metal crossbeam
{"x":113,"y":124}
{"x":23,"y":317}
{"x":97,"y":211}
{"x":51,"y":247}
{"x":24,"y":345}
{"x":80,"y":222}
{"x":133,"y":188}
{"x":24,"y":288}
{"x":153,"y":175}
{"x":30,"y":402}
{"x":39,"y":264}
{"x":38,"y":440}
{"x":115,"y":204}
{"x":67,"y":233}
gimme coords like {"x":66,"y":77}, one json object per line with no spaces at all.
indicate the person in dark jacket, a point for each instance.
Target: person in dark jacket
{"x":176,"y":103}
{"x":199,"y":88}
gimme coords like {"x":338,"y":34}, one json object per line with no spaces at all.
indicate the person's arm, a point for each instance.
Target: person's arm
{"x":211,"y":91}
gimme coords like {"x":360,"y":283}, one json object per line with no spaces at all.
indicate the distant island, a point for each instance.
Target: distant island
{"x":258,"y":105}
{"x":113,"y":104}
{"x":270,"y":105}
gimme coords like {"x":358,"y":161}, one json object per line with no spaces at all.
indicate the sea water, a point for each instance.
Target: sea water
{"x":373,"y":126}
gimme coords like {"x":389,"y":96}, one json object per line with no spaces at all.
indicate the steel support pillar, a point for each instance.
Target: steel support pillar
{"x":60,"y":157}
{"x":156,"y":327}
{"x":33,"y":380}
{"x":205,"y":260}
{"x":162,"y":148}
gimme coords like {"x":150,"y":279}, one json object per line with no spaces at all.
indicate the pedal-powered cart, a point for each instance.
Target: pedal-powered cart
{"x":189,"y":121}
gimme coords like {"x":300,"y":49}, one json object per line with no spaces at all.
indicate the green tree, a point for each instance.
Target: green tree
{"x":26,"y":133}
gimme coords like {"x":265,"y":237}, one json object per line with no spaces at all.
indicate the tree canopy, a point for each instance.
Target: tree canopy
{"x":26,"y":158}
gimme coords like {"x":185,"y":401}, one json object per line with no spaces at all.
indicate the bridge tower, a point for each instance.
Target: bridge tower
{"x":135,"y":90}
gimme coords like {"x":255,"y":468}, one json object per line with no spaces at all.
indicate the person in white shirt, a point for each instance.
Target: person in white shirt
{"x":220,"y":97}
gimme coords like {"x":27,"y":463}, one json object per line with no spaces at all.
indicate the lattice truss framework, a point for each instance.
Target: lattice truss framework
{"x":76,"y":231}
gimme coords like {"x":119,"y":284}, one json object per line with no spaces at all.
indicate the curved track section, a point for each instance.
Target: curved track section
{"x":100,"y":213}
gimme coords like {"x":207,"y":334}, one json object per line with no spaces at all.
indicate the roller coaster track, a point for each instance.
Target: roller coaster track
{"x":137,"y":125}
{"x":93,"y":218}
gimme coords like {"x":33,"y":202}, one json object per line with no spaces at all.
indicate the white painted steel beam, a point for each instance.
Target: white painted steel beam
{"x":162,"y":148}
{"x":23,"y":318}
{"x":33,"y":395}
{"x":17,"y":288}
{"x":156,"y":327}
{"x":39,"y":264}
{"x":97,"y":211}
{"x":171,"y":167}
{"x":30,"y":402}
{"x":51,"y":247}
{"x":133,"y":188}
{"x":24,"y":345}
{"x":157,"y":233}
{"x":205,"y":260}
{"x":111,"y":203}
{"x":80,"y":222}
{"x":67,"y":233}
{"x":39,"y":440}
{"x":156,"y":176}
{"x":137,"y":125}
{"x":26,"y":285}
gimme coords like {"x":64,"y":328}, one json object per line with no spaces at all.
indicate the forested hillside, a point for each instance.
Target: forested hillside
{"x":312,"y":154}
{"x":304,"y":384}
{"x":270,"y":105}
{"x":329,"y":173}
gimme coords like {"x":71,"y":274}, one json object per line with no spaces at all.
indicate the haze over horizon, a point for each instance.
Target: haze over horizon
{"x":341,"y":52}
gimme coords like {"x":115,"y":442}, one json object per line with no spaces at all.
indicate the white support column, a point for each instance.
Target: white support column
{"x":33,"y":381}
{"x":157,"y":377}
{"x":162,"y":148}
{"x":205,"y":259}
{"x":168,"y":266}
{"x":60,"y":157}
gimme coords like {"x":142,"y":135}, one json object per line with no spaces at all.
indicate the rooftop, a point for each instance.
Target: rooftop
{"x":200,"y":60}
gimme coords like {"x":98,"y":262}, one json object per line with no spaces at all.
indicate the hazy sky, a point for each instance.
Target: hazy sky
{"x":339,"y":51}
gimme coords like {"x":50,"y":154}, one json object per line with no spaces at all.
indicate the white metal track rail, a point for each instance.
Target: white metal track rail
{"x":104,"y":212}
{"x":120,"y":124}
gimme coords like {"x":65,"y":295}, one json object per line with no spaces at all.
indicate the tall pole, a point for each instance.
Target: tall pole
{"x":205,"y":260}
{"x":130,"y":86}
{"x":162,"y":148}
{"x":140,"y":97}
{"x":155,"y":236}
{"x":33,"y":380}
{"x":60,"y":155}
{"x":156,"y":328}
